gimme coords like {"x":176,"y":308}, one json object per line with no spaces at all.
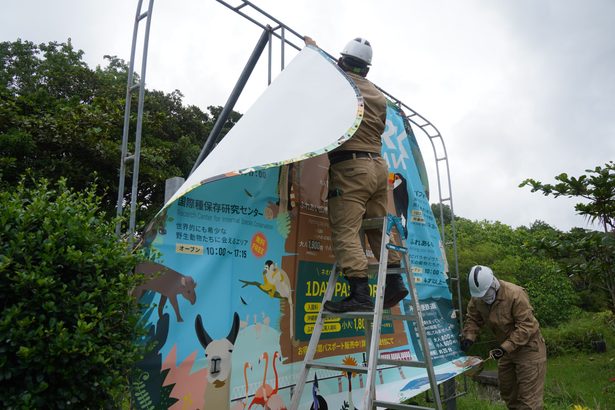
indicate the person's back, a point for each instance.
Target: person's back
{"x":367,"y":136}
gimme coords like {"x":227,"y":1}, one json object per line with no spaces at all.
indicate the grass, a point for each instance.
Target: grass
{"x":578,"y":379}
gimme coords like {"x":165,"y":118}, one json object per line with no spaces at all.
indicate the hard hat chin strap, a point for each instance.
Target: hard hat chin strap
{"x":353,"y":65}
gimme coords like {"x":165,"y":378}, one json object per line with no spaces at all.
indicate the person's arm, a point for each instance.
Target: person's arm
{"x":309,"y":41}
{"x":473,"y":322}
{"x":526,"y":324}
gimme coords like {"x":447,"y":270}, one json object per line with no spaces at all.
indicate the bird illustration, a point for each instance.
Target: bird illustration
{"x":400,"y":197}
{"x":319,"y":402}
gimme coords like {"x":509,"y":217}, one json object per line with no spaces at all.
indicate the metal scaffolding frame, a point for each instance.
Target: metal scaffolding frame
{"x":273,"y":28}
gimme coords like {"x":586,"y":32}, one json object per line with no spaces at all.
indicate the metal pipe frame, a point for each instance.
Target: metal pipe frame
{"x":269,"y":32}
{"x":139,"y":16}
{"x":435,"y":138}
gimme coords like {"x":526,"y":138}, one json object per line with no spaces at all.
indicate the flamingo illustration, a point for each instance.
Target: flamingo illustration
{"x":264,"y":391}
{"x":241,"y":404}
{"x":275,"y":402}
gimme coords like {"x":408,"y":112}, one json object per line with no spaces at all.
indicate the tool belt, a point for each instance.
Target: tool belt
{"x":339,"y":156}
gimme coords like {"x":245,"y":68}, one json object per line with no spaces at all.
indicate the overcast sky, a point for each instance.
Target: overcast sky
{"x":518,"y":89}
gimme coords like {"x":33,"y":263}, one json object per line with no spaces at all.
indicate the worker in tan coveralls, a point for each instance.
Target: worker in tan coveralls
{"x":522,"y":356}
{"x":358,"y":184}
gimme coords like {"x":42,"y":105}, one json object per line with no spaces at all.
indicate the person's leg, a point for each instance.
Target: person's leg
{"x":377,"y":207}
{"x":507,"y":377}
{"x":347,"y":196}
{"x":531,"y":370}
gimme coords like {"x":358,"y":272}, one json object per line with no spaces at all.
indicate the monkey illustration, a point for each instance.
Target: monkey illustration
{"x":276,"y":280}
{"x":168,"y":283}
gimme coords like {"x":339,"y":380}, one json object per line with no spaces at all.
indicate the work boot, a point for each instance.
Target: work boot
{"x":394,"y":291}
{"x":358,"y":301}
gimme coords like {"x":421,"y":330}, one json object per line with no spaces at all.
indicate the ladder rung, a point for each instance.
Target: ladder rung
{"x":142,"y":16}
{"x":440,"y":159}
{"x":128,"y":158}
{"x":398,"y":317}
{"x":134,"y":87}
{"x":404,"y":363}
{"x":368,"y":315}
{"x":371,"y":269}
{"x":372,"y":223}
{"x":445,"y":199}
{"x":390,"y":246}
{"x":399,"y":406}
{"x":335,"y":366}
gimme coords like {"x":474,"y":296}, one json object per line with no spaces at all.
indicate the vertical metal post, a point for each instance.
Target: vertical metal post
{"x":135,"y":172}
{"x":126,"y":128}
{"x":269,"y":59}
{"x":230,"y":103}
{"x":282,"y":34}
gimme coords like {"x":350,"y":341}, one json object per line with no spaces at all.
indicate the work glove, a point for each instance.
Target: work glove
{"x":497,"y":353}
{"x":465,"y":344}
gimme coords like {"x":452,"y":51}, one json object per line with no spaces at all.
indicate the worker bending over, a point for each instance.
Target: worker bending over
{"x":521,"y":355}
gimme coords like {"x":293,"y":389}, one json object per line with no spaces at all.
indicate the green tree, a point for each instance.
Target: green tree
{"x":511,"y":254}
{"x":597,"y":188}
{"x":587,"y":255}
{"x":61,"y":119}
{"x":68,"y":323}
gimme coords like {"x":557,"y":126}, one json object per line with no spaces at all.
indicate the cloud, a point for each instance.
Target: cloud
{"x":518,"y":88}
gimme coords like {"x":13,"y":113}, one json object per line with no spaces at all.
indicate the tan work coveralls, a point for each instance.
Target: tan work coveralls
{"x":358,"y":187}
{"x":521,"y":371}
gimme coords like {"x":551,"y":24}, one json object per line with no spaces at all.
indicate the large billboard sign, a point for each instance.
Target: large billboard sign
{"x":242,"y":253}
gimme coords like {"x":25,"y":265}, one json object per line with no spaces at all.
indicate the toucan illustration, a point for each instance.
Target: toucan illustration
{"x":400,"y":197}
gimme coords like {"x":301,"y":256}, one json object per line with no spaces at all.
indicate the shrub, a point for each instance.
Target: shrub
{"x":67,"y":322}
{"x":577,"y":334}
{"x":551,"y":293}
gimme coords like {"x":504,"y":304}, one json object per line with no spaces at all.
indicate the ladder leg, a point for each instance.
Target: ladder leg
{"x":416,"y":306}
{"x":314,"y":339}
{"x":374,"y":348}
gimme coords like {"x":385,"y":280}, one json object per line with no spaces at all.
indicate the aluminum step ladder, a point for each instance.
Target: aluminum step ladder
{"x":373,"y":322}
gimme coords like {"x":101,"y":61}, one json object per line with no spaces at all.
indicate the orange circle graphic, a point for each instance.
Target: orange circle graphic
{"x":258,"y":246}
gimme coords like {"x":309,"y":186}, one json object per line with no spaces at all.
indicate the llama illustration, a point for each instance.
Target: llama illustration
{"x":218,"y":352}
{"x":264,"y":391}
{"x":275,"y":402}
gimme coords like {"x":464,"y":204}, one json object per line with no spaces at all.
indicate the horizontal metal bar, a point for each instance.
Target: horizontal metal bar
{"x":135,"y":87}
{"x":399,"y":406}
{"x":453,"y":397}
{"x":129,"y":158}
{"x":402,"y":363}
{"x":142,"y":16}
{"x":333,"y":366}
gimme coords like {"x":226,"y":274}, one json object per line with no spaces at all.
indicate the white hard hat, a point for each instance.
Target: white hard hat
{"x":360,"y":49}
{"x":480,"y":279}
